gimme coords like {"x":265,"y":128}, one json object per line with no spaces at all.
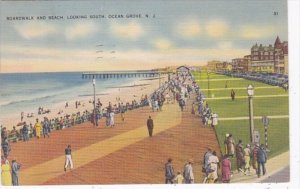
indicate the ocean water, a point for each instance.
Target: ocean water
{"x":25,"y":92}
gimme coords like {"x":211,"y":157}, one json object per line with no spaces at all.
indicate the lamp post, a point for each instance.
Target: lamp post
{"x":200,"y":74}
{"x":208,"y":83}
{"x":159,"y":79}
{"x":250,"y":91}
{"x":94,"y":114}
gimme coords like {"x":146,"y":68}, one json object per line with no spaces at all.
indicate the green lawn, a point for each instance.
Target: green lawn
{"x":278,"y":129}
{"x":243,"y":92}
{"x":239,"y":107}
{"x":203,"y":75}
{"x":230,"y":84}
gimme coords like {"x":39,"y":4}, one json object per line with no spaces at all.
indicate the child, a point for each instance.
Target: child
{"x":179,"y":178}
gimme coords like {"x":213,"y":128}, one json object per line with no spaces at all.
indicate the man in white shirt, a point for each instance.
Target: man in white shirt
{"x":188,"y":173}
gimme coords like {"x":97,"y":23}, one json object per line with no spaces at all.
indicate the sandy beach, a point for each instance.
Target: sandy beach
{"x":126,"y":93}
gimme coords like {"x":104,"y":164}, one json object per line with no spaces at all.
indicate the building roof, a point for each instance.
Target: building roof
{"x":277,"y":41}
{"x":182,"y":67}
{"x":281,"y":45}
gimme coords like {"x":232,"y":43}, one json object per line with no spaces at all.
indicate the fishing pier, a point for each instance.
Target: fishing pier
{"x":124,"y":74}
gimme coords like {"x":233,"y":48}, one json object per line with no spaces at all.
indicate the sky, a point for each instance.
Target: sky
{"x":168,"y":33}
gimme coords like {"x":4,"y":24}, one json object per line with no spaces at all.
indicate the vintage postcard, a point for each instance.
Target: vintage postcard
{"x":144,"y":92}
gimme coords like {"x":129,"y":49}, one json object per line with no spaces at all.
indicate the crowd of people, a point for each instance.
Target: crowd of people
{"x":187,"y":175}
{"x":210,"y":168}
{"x":248,"y":156}
{"x":200,"y":105}
{"x":9,"y":171}
{"x":182,"y":88}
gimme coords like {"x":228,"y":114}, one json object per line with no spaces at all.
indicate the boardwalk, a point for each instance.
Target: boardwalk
{"x":120,"y":155}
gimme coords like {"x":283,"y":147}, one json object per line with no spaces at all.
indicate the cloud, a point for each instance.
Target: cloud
{"x":162,"y":44}
{"x":51,"y":59}
{"x":33,"y":52}
{"x":225,"y":45}
{"x":216,"y":28}
{"x":80,"y":30}
{"x":189,"y":29}
{"x":131,"y":30}
{"x":256,"y":31}
{"x":35,"y":29}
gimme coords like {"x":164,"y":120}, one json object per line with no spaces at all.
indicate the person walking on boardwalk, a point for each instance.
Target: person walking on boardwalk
{"x":261,"y":160}
{"x":247,"y":154}
{"x":214,"y":119}
{"x":254,"y":156}
{"x":15,"y":172}
{"x":193,"y":108}
{"x":38,"y":127}
{"x":98,"y":117}
{"x":25,"y":132}
{"x":240,"y":161}
{"x":226,"y":169}
{"x":4,"y":134}
{"x":150,"y":126}
{"x":112,"y":119}
{"x":229,"y":142}
{"x":232,"y":94}
{"x":181,"y":103}
{"x":179,"y":178}
{"x":213,"y":162}
{"x":188,"y":172}
{"x":225,"y":144}
{"x":205,"y":166}
{"x":6,"y":173}
{"x":5,"y":148}
{"x":69,"y":161}
{"x":169,"y":172}
{"x":46,"y":126}
{"x":122,"y":110}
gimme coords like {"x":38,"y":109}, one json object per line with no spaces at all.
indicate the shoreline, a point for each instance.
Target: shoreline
{"x":131,"y":91}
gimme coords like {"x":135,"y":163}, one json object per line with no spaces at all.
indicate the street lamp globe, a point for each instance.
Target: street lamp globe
{"x":94,"y":81}
{"x":250,"y":90}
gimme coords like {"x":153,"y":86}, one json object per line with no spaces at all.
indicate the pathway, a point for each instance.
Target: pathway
{"x":273,"y":167}
{"x":255,"y":117}
{"x":257,"y":96}
{"x":40,"y":173}
{"x":120,"y":155}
